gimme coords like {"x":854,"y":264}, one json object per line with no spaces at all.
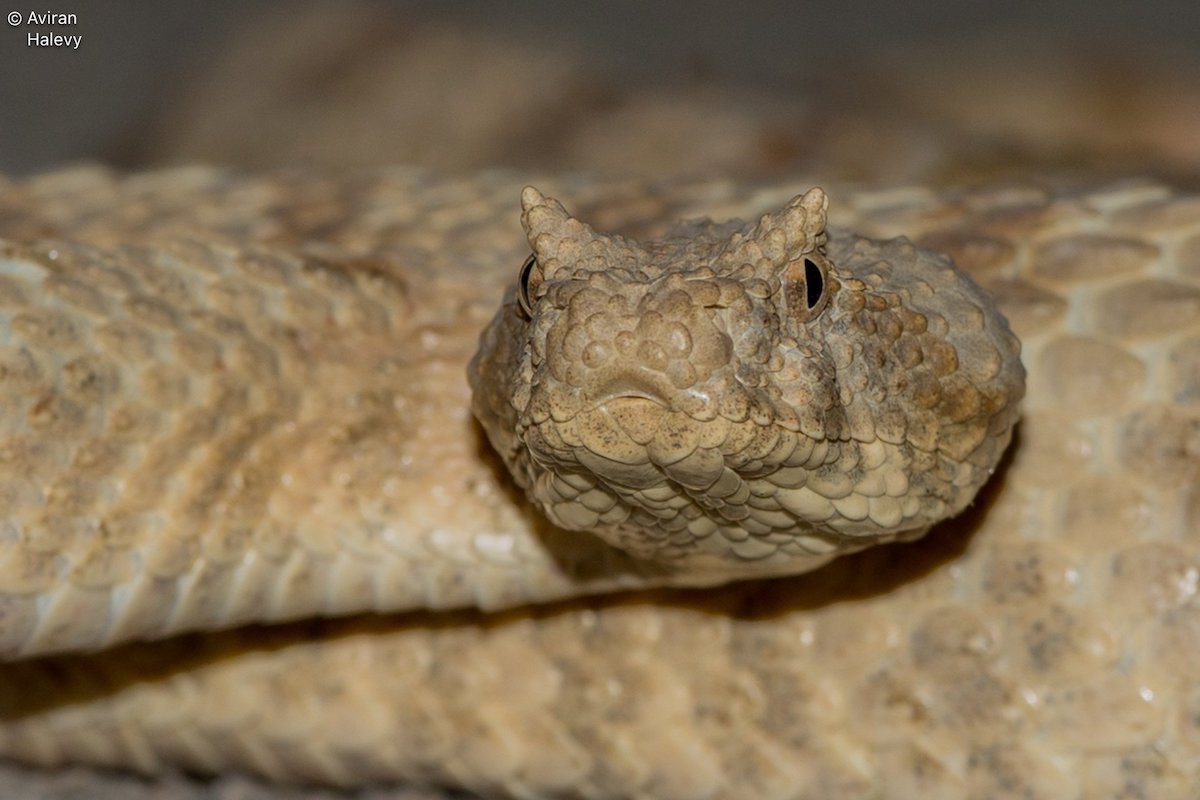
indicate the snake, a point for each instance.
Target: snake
{"x":403,"y":479}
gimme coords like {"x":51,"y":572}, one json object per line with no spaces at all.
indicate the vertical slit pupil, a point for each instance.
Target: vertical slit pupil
{"x":814,"y":283}
{"x":523,"y":285}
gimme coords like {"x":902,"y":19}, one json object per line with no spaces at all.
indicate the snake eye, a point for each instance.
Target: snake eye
{"x":527,"y":284}
{"x":806,"y":288}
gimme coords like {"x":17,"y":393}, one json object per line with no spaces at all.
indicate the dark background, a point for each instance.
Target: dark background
{"x":118,"y":97}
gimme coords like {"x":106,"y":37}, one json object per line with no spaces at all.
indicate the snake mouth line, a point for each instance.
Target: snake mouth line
{"x":629,"y":392}
{"x":626,"y":401}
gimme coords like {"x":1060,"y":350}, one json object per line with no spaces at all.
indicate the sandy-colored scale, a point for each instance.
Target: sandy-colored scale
{"x":1043,"y":644}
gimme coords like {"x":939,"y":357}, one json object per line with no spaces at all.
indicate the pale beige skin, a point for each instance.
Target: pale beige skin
{"x":287,"y":399}
{"x":744,"y":399}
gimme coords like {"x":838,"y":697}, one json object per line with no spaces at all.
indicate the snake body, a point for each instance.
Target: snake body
{"x":227,"y":400}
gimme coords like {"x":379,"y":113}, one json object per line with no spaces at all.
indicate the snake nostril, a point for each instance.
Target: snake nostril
{"x":678,"y":340}
{"x":626,"y":343}
{"x":652,"y":355}
{"x":595,"y":354}
{"x":681,"y":374}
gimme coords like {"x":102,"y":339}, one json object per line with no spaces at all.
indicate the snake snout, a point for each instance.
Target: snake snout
{"x":636,"y":386}
{"x":629,"y":389}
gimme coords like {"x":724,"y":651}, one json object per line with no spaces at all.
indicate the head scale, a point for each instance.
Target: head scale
{"x":744,"y":396}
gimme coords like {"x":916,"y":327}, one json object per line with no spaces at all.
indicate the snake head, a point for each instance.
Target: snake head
{"x":744,"y":397}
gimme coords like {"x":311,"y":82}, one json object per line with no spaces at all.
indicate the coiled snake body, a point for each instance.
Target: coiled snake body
{"x":229,"y":400}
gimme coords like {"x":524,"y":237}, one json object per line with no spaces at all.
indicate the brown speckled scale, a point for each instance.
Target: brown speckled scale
{"x":273,"y":370}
